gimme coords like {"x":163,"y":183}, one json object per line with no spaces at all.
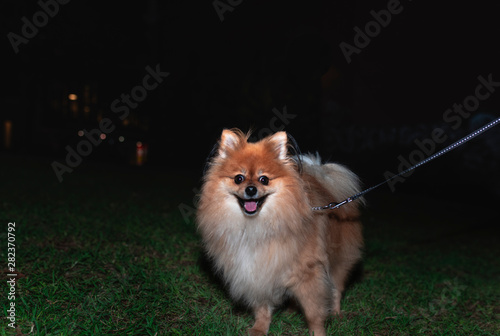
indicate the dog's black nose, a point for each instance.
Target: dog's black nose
{"x":250,"y":191}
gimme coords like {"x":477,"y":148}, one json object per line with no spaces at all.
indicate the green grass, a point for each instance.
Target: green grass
{"x":107,"y":252}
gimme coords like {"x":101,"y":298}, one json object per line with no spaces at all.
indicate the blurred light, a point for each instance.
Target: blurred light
{"x":72,"y":96}
{"x":80,"y":133}
{"x":121,"y":138}
{"x":141,"y":153}
{"x":102,"y":136}
{"x":8,"y":133}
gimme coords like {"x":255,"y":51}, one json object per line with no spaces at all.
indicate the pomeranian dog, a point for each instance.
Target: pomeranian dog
{"x":257,"y":224}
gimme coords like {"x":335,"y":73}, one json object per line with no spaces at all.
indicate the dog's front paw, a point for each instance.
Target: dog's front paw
{"x":255,"y":332}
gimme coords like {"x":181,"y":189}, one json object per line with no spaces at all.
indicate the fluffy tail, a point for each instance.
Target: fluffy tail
{"x":337,"y":179}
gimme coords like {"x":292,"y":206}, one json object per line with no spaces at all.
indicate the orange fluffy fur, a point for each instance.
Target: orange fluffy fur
{"x":283,"y":248}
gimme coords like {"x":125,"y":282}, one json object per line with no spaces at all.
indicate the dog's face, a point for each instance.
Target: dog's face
{"x":252,"y":175}
{"x":251,"y":189}
{"x":254,"y":188}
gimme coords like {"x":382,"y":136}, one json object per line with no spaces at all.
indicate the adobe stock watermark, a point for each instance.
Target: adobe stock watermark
{"x":187,"y":211}
{"x":372,"y":29}
{"x":40,"y":19}
{"x":276,"y":123}
{"x":454,"y":117}
{"x":221,"y":7}
{"x":121,"y":106}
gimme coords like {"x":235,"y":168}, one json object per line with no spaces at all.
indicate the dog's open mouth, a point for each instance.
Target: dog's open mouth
{"x":251,"y":206}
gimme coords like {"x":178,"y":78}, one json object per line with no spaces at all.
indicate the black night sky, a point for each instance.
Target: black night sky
{"x":253,"y":65}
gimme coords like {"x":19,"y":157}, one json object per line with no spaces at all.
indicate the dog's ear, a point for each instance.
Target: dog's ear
{"x":279,"y":140}
{"x":230,"y":140}
{"x":294,"y":150}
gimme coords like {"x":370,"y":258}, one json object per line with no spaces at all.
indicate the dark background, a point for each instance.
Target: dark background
{"x":263,"y":56}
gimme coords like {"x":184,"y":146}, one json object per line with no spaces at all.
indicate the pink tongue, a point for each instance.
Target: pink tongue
{"x":250,"y":206}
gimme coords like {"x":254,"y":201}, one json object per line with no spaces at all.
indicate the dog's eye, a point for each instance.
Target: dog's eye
{"x":239,"y":178}
{"x":264,"y":180}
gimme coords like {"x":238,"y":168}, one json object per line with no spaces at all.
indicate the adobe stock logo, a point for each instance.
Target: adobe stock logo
{"x":40,"y":19}
{"x":454,"y":118}
{"x":276,"y":124}
{"x":362,"y":39}
{"x":221,"y":7}
{"x":120,"y":106}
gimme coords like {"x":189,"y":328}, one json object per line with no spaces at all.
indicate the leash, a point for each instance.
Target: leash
{"x":335,"y":205}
